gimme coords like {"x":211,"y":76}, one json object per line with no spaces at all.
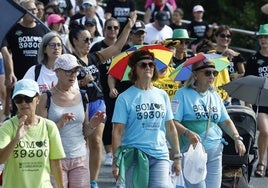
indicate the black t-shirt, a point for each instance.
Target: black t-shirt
{"x":198,"y":30}
{"x":103,"y":67}
{"x":155,"y":9}
{"x":233,"y":67}
{"x":257,"y":65}
{"x":24,"y":44}
{"x":182,"y":26}
{"x":120,"y":10}
{"x":92,"y":67}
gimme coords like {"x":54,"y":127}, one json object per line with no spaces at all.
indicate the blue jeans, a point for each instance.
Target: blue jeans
{"x":214,"y":170}
{"x":158,"y":174}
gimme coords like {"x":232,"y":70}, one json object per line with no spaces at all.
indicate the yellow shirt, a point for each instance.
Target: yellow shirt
{"x":221,"y":79}
{"x":166,"y":83}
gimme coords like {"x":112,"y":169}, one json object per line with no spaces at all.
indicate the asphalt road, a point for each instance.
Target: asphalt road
{"x":107,"y":181}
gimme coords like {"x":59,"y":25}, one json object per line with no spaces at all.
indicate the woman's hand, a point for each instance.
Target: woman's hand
{"x":115,"y":172}
{"x":132,"y":20}
{"x":113,"y":93}
{"x":176,"y":167}
{"x":240,"y":147}
{"x":22,"y":129}
{"x":193,"y":137}
{"x":65,"y":118}
{"x":88,"y":78}
{"x":96,"y":119}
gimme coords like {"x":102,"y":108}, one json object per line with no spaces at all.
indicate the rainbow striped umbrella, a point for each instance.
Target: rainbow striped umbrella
{"x":183,"y":71}
{"x":119,"y":66}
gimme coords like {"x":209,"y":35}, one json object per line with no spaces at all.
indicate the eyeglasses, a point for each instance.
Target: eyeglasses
{"x":20,"y":98}
{"x":208,"y":73}
{"x":223,"y":36}
{"x":144,"y":65}
{"x":112,"y":27}
{"x":33,"y":10}
{"x":86,"y":5}
{"x":53,"y":45}
{"x":71,"y":72}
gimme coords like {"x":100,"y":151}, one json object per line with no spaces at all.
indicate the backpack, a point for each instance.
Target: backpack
{"x":83,"y":95}
{"x":37,"y":70}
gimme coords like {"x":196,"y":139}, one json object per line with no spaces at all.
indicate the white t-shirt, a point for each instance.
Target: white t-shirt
{"x":153,"y":34}
{"x":46,"y":79}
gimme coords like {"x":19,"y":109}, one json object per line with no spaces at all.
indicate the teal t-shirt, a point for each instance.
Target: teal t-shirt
{"x":144,"y":114}
{"x":193,"y":110}
{"x":29,"y":164}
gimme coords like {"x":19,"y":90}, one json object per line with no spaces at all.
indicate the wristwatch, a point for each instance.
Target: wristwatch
{"x":238,"y":137}
{"x":177,"y":156}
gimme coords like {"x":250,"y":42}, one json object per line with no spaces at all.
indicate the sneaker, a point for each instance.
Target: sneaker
{"x":94,"y":184}
{"x":108,"y":159}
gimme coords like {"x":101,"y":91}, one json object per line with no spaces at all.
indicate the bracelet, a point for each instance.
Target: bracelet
{"x":235,"y":135}
{"x":186,"y":132}
{"x":177,"y":156}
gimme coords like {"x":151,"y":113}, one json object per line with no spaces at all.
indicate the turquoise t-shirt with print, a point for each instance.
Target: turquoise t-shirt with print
{"x":144,"y":114}
{"x":28,"y":166}
{"x":193,"y":110}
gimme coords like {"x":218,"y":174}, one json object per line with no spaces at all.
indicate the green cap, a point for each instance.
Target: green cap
{"x":263,"y":30}
{"x":181,"y":34}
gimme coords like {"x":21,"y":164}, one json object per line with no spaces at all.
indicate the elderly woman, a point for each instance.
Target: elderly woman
{"x":199,"y":114}
{"x":30,"y":146}
{"x":142,"y":121}
{"x":50,"y":48}
{"x":67,"y":111}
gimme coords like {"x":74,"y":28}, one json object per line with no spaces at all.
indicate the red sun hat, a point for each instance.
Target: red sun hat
{"x":54,"y":19}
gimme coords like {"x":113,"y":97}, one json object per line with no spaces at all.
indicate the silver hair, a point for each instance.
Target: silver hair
{"x":42,"y":56}
{"x":191,"y":83}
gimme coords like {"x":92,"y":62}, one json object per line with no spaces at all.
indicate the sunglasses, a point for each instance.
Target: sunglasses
{"x":20,"y":98}
{"x":112,"y":27}
{"x":53,"y":45}
{"x":144,"y":65}
{"x":88,"y":40}
{"x":86,"y":5}
{"x":208,"y":73}
{"x":71,"y":72}
{"x":225,"y":36}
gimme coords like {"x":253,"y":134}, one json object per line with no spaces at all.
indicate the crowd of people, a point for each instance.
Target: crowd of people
{"x":59,"y":106}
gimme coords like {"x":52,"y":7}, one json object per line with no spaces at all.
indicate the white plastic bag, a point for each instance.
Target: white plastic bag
{"x":195,"y":164}
{"x":176,"y":181}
